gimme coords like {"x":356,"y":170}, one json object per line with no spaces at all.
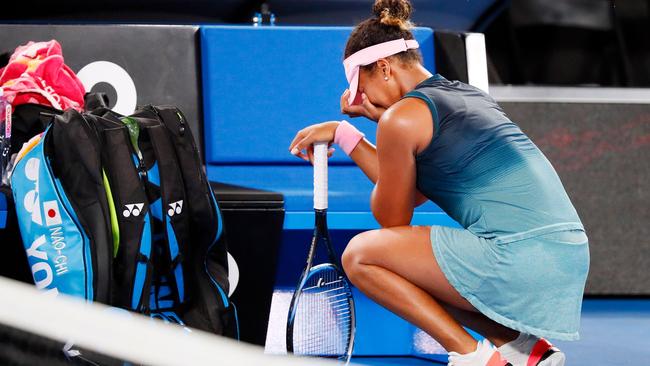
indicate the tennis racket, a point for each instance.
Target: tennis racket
{"x":321,"y":319}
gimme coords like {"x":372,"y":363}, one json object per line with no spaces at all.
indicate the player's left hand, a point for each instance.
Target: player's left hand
{"x":305,"y":138}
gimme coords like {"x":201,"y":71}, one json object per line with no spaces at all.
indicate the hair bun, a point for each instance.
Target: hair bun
{"x":395,"y":13}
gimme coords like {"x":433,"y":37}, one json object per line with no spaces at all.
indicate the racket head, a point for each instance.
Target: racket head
{"x":321,"y":318}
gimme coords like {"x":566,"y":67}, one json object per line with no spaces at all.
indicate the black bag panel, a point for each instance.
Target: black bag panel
{"x":202,"y":206}
{"x":205,"y":216}
{"x":132,"y":209}
{"x":216,"y":263}
{"x":175,"y":214}
{"x":76,"y":161}
{"x":133,"y":262}
{"x":210,"y":314}
{"x":94,"y":101}
{"x":28,"y":120}
{"x":211,"y":309}
{"x":171,"y":181}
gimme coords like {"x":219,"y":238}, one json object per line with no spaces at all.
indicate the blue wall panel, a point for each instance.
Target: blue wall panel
{"x":263,"y":84}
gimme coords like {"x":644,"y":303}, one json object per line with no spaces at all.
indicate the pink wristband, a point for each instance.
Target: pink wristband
{"x":347,"y":136}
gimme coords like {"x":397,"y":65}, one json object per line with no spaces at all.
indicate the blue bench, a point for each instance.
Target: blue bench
{"x":263,"y":84}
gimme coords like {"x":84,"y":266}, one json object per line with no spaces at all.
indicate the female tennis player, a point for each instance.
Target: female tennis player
{"x":516,"y":270}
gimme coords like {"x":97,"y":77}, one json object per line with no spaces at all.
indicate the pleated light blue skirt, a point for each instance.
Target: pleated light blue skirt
{"x":533,"y":285}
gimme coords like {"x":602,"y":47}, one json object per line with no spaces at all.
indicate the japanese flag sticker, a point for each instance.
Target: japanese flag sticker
{"x":52,"y":215}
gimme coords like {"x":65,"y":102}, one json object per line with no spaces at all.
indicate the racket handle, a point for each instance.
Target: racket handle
{"x":320,"y":175}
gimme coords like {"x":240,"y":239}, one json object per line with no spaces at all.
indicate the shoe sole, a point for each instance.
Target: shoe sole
{"x":555,"y":359}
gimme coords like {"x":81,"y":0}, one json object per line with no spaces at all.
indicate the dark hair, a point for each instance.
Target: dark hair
{"x":391,"y":22}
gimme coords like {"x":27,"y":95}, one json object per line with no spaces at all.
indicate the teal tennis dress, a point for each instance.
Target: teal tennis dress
{"x":522,"y":258}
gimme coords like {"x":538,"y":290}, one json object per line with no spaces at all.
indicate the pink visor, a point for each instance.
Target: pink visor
{"x":369,"y":55}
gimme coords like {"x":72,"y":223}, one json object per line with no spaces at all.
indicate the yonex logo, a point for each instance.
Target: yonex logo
{"x":133,"y":209}
{"x":175,"y":208}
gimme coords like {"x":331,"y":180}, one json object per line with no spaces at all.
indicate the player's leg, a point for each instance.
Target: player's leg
{"x":488,"y":328}
{"x":394,"y":291}
{"x":396,"y":267}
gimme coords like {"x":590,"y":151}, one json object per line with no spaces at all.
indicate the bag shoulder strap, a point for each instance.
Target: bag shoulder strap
{"x":133,"y":272}
{"x":175,"y":215}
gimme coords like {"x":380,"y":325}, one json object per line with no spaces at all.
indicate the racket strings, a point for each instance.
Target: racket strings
{"x":323,"y":316}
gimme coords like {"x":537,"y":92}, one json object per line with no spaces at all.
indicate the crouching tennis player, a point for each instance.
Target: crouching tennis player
{"x":516,"y":271}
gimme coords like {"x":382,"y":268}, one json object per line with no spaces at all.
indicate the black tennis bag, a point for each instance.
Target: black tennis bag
{"x":207,"y":307}
{"x":136,"y":201}
{"x":190,"y":268}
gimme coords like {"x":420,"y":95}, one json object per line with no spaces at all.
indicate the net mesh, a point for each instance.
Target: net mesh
{"x":18,"y":347}
{"x":37,"y":329}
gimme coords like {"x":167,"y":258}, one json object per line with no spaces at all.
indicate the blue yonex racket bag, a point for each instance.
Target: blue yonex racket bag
{"x":118,"y":210}
{"x":63,"y":211}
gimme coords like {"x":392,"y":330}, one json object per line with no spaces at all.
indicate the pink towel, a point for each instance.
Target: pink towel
{"x":37,"y":74}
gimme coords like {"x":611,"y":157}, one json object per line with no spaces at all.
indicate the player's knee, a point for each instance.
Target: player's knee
{"x":353,"y":255}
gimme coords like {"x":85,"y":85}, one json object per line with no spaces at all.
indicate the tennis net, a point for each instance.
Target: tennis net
{"x":37,"y":329}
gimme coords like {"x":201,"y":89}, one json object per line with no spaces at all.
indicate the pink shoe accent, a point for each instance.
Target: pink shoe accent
{"x":539,"y":349}
{"x":496,"y":360}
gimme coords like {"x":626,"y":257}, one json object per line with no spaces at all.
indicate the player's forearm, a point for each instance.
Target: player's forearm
{"x":365,"y":156}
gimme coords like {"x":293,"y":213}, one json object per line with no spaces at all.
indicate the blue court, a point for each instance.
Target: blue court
{"x":614,"y":331}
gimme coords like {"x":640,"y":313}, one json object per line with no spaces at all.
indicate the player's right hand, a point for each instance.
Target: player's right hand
{"x":365,"y":109}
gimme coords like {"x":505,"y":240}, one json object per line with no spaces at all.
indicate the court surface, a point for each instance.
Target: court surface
{"x":614,"y":332}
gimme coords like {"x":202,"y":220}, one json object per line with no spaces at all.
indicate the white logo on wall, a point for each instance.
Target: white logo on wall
{"x":175,"y":208}
{"x":132,"y":209}
{"x":233,"y":274}
{"x":31,"y":200}
{"x":113,"y":74}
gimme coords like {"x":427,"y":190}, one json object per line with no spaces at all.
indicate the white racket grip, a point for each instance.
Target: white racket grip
{"x":320,"y":175}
